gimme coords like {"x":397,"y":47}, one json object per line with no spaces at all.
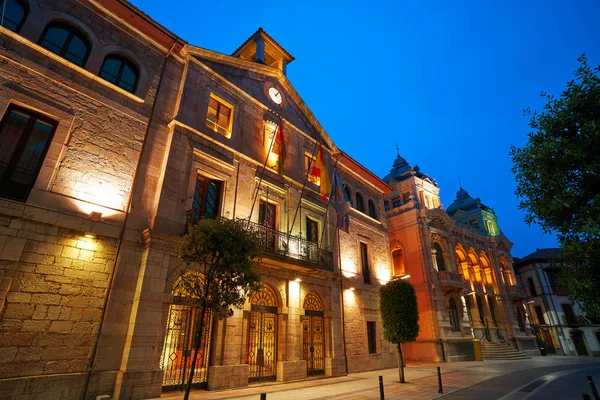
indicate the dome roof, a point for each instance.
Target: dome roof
{"x":465,"y":202}
{"x":402,"y":170}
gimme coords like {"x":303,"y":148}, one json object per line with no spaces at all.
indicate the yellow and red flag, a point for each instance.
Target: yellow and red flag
{"x":320,"y":170}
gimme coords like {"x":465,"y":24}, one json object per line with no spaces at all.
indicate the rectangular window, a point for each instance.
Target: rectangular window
{"x":312,"y":230}
{"x":540,"y":315}
{"x":309,"y":162}
{"x":397,"y":202}
{"x":207,"y":199}
{"x":570,"y":317}
{"x":532,"y":291}
{"x":364,"y":260}
{"x":372,"y":337}
{"x":406,"y":197}
{"x":267,"y":214}
{"x":24,"y":140}
{"x":219,"y":117}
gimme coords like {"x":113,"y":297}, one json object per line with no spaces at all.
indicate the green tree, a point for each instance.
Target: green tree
{"x":400,"y":315}
{"x":223,"y":254}
{"x":558,"y":180}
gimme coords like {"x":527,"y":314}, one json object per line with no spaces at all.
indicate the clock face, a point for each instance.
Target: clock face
{"x":275,"y":95}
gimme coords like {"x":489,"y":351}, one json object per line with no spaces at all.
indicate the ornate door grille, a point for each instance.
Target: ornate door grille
{"x":178,"y":350}
{"x":313,"y":335}
{"x":262,"y":344}
{"x":261,"y":350}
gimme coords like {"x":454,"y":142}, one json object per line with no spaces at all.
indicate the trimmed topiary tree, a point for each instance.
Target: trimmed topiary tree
{"x":400,"y":316}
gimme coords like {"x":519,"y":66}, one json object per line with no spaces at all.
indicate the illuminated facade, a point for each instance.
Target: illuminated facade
{"x":460,"y":264}
{"x":115,"y":134}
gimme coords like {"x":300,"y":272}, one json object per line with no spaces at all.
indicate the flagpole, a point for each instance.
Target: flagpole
{"x":255,"y":196}
{"x":302,"y":191}
{"x":329,"y":201}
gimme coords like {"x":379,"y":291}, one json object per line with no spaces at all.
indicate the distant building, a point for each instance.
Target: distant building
{"x":460,"y":264}
{"x":562,"y":326}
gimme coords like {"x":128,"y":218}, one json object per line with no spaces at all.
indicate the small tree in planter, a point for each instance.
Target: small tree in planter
{"x":541,"y":343}
{"x":400,"y":316}
{"x":224,"y":254}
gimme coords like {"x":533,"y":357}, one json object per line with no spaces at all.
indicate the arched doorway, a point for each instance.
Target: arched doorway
{"x":180,"y":338}
{"x":313,"y":335}
{"x":261,"y":349}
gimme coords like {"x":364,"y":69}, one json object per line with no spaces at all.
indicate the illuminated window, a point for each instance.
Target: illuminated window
{"x":207,"y":199}
{"x":24,"y":140}
{"x":15,"y":12}
{"x":372,"y":210}
{"x":398,"y":260}
{"x":219,"y":117}
{"x":309,"y":163}
{"x":312,"y":230}
{"x":360,"y":203}
{"x":67,"y":42}
{"x":120,"y":72}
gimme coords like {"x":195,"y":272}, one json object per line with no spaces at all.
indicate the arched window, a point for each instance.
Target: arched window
{"x":15,"y":12}
{"x":372,"y":209}
{"x":348,"y":193}
{"x":120,"y":71}
{"x":67,"y":42}
{"x":438,"y":256}
{"x":398,"y":260}
{"x":360,"y":203}
{"x":454,"y":316}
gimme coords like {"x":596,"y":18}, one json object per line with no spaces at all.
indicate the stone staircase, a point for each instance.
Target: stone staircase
{"x":500,"y":351}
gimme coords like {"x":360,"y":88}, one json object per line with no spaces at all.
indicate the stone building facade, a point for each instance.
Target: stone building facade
{"x":559,"y":322}
{"x":460,"y":264}
{"x":115,"y":134}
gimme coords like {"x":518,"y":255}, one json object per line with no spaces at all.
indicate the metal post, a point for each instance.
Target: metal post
{"x":441,"y":389}
{"x":263,"y":396}
{"x":381,"y":394}
{"x":593,"y":387}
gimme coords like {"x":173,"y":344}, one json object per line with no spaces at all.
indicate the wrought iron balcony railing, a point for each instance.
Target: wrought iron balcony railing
{"x":451,"y":280}
{"x":284,"y":244}
{"x":291,"y":246}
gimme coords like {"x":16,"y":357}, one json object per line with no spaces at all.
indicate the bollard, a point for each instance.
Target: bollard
{"x":585,"y":396}
{"x":593,"y":387}
{"x":381,"y":394}
{"x":441,"y":389}
{"x":263,"y":396}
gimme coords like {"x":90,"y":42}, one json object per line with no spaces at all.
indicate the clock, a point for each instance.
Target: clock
{"x":275,"y":95}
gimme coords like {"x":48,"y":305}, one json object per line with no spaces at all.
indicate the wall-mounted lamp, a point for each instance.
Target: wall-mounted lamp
{"x":95,"y":216}
{"x":469,"y":293}
{"x":352,"y":288}
{"x":297,"y":279}
{"x":406,"y":276}
{"x":530,"y":302}
{"x":90,"y":235}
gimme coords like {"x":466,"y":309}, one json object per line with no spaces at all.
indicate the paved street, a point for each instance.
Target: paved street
{"x":553,"y":377}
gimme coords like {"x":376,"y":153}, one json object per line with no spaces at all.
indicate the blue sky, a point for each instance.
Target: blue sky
{"x":446,"y":80}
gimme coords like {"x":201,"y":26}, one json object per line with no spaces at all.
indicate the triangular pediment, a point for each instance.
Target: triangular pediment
{"x":254,"y":80}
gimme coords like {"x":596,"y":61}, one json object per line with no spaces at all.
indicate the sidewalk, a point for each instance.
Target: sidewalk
{"x":421,"y":378}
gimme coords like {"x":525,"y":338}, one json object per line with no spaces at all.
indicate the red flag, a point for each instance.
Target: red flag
{"x":320,"y":170}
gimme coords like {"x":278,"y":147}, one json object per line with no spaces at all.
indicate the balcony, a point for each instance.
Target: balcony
{"x":515,"y":292}
{"x":291,"y":246}
{"x":451,"y":280}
